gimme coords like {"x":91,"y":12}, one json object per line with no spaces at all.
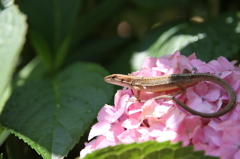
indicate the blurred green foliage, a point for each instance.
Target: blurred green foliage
{"x":53,"y":69}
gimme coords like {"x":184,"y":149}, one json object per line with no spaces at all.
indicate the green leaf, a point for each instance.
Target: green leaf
{"x":3,"y":135}
{"x":54,"y":21}
{"x":12,"y":37}
{"x":6,"y":3}
{"x":148,"y":150}
{"x":209,"y":40}
{"x":51,"y":114}
{"x":42,"y":49}
{"x":51,"y":22}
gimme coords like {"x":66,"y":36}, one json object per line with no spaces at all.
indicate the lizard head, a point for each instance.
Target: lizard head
{"x":118,"y":79}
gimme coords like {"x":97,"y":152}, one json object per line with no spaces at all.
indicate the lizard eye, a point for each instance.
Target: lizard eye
{"x":113,"y":77}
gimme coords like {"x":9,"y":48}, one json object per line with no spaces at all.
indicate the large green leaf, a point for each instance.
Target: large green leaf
{"x":220,"y":37}
{"x":52,"y":19}
{"x":51,"y":23}
{"x":51,"y":113}
{"x":148,"y":150}
{"x":12,"y":37}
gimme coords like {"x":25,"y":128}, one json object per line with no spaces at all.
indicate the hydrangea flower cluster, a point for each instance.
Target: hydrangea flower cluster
{"x":161,"y":120}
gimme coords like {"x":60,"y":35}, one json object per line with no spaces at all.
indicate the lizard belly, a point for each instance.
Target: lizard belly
{"x":159,"y":88}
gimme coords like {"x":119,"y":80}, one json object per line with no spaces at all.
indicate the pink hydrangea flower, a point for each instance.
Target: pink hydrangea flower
{"x":161,"y":120}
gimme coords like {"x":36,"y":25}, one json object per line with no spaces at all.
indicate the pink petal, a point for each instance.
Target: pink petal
{"x":215,"y":124}
{"x":191,"y":93}
{"x":201,"y":89}
{"x":134,"y":121}
{"x":237,"y":107}
{"x":166,"y":136}
{"x":184,"y":62}
{"x":117,"y":97}
{"x":189,"y":125}
{"x":118,"y":114}
{"x":86,"y":151}
{"x":149,"y":62}
{"x":217,"y":138}
{"x":192,"y":56}
{"x":237,"y":155}
{"x":232,"y":115}
{"x":226,"y":75}
{"x":176,"y":53}
{"x":156,"y":72}
{"x":102,"y":143}
{"x":144,"y":135}
{"x":200,"y":146}
{"x":149,"y":109}
{"x":207,"y":107}
{"x":227,"y":151}
{"x":168,"y":62}
{"x":212,"y":95}
{"x":135,"y":108}
{"x":122,"y":102}
{"x":131,"y":123}
{"x":173,"y":118}
{"x":236,"y":84}
{"x":144,"y":72}
{"x":117,"y":129}
{"x":187,"y":129}
{"x":212,"y":151}
{"x":194,"y":102}
{"x":204,"y":68}
{"x":200,"y":66}
{"x":199,"y":137}
{"x":238,"y":97}
{"x":128,"y":136}
{"x":231,"y":136}
{"x":215,"y":66}
{"x":99,"y":129}
{"x":153,"y":120}
{"x":163,"y":65}
{"x":106,"y":113}
{"x":225,"y":63}
{"x":156,"y":129}
{"x":197,"y":62}
{"x":161,"y":109}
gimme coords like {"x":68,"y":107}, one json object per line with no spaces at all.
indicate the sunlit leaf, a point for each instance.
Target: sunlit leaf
{"x":148,"y":150}
{"x":51,"y":113}
{"x":12,"y":37}
{"x":208,"y":40}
